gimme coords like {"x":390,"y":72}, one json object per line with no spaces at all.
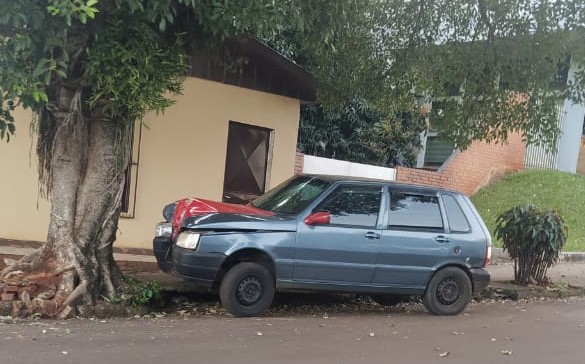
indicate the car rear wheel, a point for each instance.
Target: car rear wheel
{"x":388,"y":299}
{"x":448,"y":292}
{"x":247,"y":290}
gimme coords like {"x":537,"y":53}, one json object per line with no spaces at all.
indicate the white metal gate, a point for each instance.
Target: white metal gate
{"x":543,"y":157}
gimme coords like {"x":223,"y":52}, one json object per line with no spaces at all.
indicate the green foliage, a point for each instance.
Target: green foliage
{"x":359,"y":132}
{"x":545,"y":189}
{"x":130,"y":55}
{"x":501,"y":58}
{"x":533,"y":238}
{"x":497,"y":67}
{"x":136,"y":293}
{"x":127,"y":56}
{"x":150,"y":67}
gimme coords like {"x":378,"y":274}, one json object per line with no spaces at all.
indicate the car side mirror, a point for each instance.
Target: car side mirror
{"x":318,"y":218}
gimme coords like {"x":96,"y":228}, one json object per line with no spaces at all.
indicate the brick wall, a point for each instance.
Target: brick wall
{"x":471,"y":169}
{"x":299,"y":162}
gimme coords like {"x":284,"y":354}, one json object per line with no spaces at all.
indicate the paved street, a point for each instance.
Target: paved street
{"x":498,"y":332}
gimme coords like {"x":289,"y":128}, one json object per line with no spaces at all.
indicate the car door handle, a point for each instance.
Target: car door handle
{"x":372,"y":235}
{"x":442,"y":239}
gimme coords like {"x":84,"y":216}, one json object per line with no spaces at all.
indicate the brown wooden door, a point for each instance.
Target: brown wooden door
{"x":246,"y":162}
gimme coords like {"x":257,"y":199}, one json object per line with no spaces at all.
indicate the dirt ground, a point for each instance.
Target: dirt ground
{"x":541,"y":331}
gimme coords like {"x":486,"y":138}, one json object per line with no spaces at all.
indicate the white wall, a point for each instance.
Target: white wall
{"x":572,"y":128}
{"x":318,"y":165}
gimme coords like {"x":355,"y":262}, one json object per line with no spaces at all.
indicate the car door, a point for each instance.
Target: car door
{"x":413,"y":241}
{"x":467,"y":241}
{"x":343,"y":251}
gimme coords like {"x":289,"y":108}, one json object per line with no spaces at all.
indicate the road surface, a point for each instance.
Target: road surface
{"x":497,"y":332}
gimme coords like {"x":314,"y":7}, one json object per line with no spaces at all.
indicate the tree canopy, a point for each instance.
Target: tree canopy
{"x":484,"y":68}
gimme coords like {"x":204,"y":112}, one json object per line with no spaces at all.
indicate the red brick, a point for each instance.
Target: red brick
{"x":469,"y":170}
{"x":8,"y":296}
{"x":11,"y":289}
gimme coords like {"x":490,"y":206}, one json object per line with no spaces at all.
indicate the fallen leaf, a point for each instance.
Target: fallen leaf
{"x":506,"y":352}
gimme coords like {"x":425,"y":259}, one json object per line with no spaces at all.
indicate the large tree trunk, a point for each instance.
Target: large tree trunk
{"x":87,"y":155}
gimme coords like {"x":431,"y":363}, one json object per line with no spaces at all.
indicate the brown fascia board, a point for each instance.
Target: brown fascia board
{"x":254,"y":48}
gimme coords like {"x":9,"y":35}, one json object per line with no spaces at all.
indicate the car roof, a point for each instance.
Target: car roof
{"x":421,"y":188}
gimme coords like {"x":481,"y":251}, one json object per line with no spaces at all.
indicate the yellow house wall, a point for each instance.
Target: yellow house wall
{"x":182,"y":154}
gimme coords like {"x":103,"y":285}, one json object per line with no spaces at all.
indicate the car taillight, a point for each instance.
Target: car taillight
{"x":488,"y":255}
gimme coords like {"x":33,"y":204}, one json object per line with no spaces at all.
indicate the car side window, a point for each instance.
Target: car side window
{"x":414,"y":211}
{"x":457,"y":221}
{"x":353,"y":206}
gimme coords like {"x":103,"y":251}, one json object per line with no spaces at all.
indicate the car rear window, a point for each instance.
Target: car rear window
{"x":457,"y":221}
{"x":413,"y":211}
{"x":350,"y":205}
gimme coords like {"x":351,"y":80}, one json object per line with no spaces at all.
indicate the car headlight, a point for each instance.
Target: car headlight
{"x":188,"y":240}
{"x":163,"y":229}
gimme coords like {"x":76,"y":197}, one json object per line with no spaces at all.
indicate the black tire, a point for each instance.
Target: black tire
{"x":247,"y":290}
{"x":448,"y":292}
{"x":388,"y":299}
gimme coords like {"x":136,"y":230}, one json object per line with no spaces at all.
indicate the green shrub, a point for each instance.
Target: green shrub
{"x":533,"y":238}
{"x":138,"y":293}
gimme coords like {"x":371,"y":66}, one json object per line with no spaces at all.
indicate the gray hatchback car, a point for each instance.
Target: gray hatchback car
{"x":324,"y":233}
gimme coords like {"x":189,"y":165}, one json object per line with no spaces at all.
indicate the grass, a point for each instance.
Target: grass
{"x":546,"y":189}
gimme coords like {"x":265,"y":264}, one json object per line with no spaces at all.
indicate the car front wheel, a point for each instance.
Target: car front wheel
{"x":448,"y":292}
{"x":247,"y":290}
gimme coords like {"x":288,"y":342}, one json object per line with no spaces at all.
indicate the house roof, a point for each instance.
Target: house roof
{"x":259,"y":68}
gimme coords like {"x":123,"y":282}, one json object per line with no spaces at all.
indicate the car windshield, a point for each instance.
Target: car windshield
{"x":292,"y":196}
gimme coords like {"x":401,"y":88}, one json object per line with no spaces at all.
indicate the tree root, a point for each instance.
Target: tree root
{"x":79,"y":291}
{"x":38,"y":279}
{"x":48,"y":290}
{"x":28,"y":263}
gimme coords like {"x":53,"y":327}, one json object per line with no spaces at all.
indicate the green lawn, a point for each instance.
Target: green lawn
{"x":546,"y":189}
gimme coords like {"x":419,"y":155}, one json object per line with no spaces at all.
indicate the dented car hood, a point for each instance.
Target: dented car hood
{"x":239,"y":222}
{"x":199,"y":213}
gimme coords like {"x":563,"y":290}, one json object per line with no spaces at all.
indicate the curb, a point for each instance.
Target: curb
{"x":499,"y":255}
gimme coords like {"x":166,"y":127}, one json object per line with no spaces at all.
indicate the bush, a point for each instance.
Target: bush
{"x":137,"y":293}
{"x":533,"y":238}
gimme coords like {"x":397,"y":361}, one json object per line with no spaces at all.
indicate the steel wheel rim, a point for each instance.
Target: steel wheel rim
{"x":448,"y":291}
{"x":249,"y":291}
